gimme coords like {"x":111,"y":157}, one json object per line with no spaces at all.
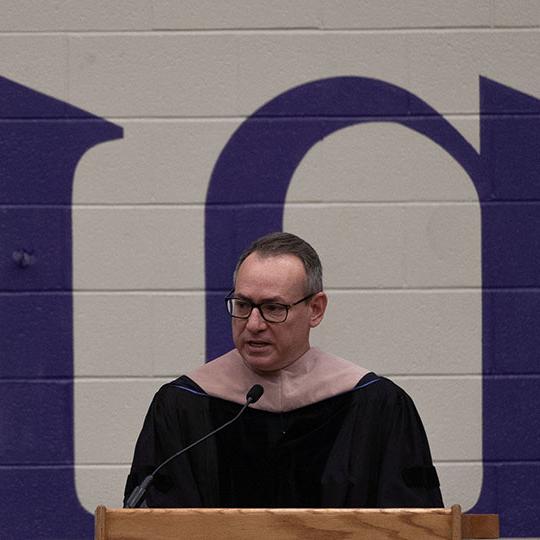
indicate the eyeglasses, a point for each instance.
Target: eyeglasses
{"x":271,"y":312}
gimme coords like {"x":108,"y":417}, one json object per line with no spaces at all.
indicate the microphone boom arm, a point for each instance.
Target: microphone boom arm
{"x":138,"y":493}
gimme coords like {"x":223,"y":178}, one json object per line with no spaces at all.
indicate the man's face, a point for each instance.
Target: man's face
{"x":270,"y":346}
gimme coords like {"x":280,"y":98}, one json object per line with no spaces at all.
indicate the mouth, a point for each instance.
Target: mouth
{"x":257,"y":344}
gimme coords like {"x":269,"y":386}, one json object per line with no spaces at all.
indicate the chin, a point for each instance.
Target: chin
{"x":260,"y":362}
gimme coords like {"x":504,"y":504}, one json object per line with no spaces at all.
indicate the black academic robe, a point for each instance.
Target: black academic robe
{"x":365,"y":448}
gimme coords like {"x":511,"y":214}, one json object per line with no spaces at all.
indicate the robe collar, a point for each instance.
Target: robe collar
{"x":315,"y":376}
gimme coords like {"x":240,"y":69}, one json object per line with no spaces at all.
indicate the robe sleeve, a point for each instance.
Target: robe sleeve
{"x":165,"y":431}
{"x":407,"y":477}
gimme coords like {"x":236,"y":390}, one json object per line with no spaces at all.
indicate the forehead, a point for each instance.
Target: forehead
{"x":271,"y":277}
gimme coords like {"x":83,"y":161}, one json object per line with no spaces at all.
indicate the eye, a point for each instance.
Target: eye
{"x":241,"y":305}
{"x":273,"y":309}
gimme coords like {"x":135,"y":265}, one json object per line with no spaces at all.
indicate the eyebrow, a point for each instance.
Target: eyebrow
{"x":270,"y":300}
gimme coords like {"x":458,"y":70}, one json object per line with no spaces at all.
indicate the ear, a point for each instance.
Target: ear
{"x":318,"y":307}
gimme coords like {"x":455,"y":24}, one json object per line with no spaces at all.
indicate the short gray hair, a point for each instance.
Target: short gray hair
{"x":282,"y":243}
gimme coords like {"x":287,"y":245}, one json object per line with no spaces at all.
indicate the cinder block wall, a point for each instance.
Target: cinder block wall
{"x":395,"y":218}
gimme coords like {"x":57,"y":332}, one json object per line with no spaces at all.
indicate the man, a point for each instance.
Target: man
{"x":326,"y":432}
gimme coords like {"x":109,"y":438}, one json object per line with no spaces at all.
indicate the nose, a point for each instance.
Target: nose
{"x":255,"y":322}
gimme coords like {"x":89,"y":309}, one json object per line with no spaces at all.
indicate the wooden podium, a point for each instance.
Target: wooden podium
{"x":291,"y":523}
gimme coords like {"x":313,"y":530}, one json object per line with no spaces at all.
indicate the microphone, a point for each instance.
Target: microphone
{"x":253,"y":395}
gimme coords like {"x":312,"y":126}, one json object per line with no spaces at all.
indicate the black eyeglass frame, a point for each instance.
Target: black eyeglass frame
{"x":258,"y":306}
